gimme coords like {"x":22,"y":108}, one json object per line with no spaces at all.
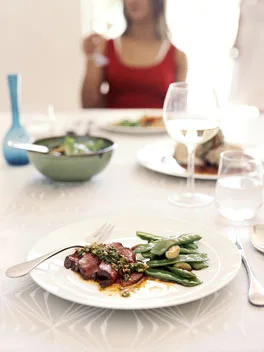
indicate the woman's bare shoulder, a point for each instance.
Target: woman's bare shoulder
{"x":181,"y":64}
{"x":180,"y":55}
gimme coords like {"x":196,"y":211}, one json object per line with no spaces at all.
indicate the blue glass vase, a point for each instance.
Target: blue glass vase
{"x":17,"y":133}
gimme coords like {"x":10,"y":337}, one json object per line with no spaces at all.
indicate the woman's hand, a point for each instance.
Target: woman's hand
{"x":94,"y":44}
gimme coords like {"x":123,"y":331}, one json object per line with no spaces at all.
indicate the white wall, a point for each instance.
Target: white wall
{"x":248,"y":77}
{"x":41,"y":39}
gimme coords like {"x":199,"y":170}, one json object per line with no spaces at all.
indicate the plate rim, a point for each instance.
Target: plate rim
{"x":208,"y":177}
{"x":164,"y":304}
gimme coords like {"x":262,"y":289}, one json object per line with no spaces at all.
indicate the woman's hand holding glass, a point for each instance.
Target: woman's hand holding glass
{"x":94,"y":48}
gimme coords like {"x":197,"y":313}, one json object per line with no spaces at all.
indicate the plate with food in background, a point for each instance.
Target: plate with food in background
{"x":146,"y":123}
{"x":144,"y":263}
{"x":170,"y":158}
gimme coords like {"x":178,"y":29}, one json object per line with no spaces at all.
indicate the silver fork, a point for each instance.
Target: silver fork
{"x":100,"y":234}
{"x":256,"y":290}
{"x":25,"y":268}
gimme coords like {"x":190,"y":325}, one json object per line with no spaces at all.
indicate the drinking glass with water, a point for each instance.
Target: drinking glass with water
{"x":239,"y":186}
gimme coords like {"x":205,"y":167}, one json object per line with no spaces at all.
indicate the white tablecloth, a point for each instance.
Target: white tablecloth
{"x":31,"y":206}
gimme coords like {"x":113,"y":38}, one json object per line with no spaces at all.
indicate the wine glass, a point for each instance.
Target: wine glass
{"x":191,"y":117}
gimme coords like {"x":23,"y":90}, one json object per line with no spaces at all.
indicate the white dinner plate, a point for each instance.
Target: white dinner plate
{"x":224,"y":263}
{"x":159,"y":157}
{"x":113,"y":127}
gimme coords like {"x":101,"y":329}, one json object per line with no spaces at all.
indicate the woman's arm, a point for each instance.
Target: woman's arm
{"x":182,"y":66}
{"x":91,"y":95}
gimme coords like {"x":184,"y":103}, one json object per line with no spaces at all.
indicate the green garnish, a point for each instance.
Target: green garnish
{"x":110,"y":255}
{"x":128,"y":123}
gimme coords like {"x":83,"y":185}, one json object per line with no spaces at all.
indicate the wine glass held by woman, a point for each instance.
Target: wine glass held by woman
{"x":138,"y":66}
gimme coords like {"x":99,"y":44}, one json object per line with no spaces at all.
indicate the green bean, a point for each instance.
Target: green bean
{"x":181,"y":258}
{"x":162,"y":246}
{"x":183,"y":266}
{"x":148,"y":236}
{"x":169,"y":276}
{"x":190,"y":246}
{"x":183,"y":273}
{"x":187,"y":251}
{"x":147,"y":255}
{"x":187,"y":238}
{"x":142,"y":248}
{"x":199,"y":265}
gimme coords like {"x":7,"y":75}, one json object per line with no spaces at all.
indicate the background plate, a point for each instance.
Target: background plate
{"x":158,"y":157}
{"x":134,"y":116}
{"x":133,"y":130}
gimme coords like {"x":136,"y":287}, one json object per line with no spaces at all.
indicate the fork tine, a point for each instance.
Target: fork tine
{"x":97,"y":233}
{"x":106,"y":232}
{"x":101,"y":233}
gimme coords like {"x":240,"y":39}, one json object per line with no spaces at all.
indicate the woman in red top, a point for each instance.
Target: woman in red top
{"x":138,"y":66}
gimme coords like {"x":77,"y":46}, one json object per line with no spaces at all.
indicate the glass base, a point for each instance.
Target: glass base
{"x":237,"y":214}
{"x":190,"y":200}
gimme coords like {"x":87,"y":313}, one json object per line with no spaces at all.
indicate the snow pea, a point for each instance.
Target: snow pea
{"x":169,"y":276}
{"x":199,"y":265}
{"x":188,"y":251}
{"x":142,"y":248}
{"x":183,"y":273}
{"x":181,"y":258}
{"x":147,"y":255}
{"x":148,"y":236}
{"x":190,"y":246}
{"x":163,"y":245}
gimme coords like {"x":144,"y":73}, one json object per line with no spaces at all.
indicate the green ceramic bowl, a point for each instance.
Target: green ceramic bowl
{"x":71,"y":168}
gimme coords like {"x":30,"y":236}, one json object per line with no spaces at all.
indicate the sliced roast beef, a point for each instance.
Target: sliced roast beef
{"x":134,"y":278}
{"x":89,"y":266}
{"x":72,"y":262}
{"x":116,"y":245}
{"x":106,"y":275}
{"x":125,"y":252}
{"x":128,"y":254}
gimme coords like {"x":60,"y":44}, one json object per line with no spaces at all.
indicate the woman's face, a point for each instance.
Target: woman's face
{"x":138,"y":10}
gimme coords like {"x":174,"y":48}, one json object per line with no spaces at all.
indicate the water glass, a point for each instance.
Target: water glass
{"x":239,"y":186}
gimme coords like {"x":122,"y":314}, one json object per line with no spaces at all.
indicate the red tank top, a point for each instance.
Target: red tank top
{"x":138,"y":87}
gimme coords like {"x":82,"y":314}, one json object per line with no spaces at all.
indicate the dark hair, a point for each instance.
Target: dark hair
{"x":159,"y":9}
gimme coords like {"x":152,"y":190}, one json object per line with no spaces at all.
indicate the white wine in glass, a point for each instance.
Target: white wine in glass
{"x":191,"y":117}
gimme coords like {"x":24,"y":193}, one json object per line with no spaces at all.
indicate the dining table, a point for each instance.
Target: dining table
{"x":32,"y":206}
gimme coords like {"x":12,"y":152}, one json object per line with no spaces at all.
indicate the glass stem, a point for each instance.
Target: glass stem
{"x":191,"y":158}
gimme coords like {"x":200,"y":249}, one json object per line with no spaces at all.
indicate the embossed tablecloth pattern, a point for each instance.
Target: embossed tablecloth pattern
{"x":31,"y":206}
